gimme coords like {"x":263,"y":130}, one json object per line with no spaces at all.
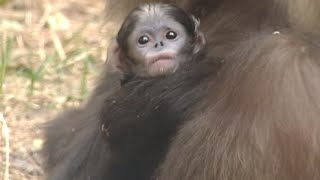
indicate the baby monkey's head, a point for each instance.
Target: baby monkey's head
{"x":156,"y":38}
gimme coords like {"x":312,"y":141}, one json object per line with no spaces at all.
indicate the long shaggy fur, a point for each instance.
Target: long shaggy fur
{"x":248,"y":110}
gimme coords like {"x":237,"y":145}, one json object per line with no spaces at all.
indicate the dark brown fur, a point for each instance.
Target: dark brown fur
{"x":261,"y":118}
{"x":249,"y":110}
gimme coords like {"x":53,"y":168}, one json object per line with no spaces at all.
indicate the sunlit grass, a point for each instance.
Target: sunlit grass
{"x":50,"y":55}
{"x":5,"y":58}
{"x":60,"y":55}
{"x":37,"y":74}
{"x":88,"y":67}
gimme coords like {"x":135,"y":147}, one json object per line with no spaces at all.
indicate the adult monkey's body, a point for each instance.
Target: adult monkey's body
{"x":257,"y":119}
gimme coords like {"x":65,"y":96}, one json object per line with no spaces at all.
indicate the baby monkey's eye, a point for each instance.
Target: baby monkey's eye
{"x":143,"y":39}
{"x":171,"y":35}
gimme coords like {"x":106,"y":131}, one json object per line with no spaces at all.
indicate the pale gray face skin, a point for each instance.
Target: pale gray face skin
{"x":156,"y":45}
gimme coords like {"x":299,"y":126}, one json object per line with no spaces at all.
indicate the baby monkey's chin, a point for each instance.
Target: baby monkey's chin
{"x":163,"y":67}
{"x":162,"y":63}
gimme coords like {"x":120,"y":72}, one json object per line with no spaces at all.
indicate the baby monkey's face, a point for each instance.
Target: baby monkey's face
{"x":157,"y":46}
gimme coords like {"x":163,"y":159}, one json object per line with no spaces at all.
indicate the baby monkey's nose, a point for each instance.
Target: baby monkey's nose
{"x":156,"y":45}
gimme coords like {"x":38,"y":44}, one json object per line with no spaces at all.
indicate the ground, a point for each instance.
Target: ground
{"x":51,"y":52}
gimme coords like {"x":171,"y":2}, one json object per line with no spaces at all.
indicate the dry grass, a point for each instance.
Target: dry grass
{"x":50,"y":54}
{"x":6,"y":137}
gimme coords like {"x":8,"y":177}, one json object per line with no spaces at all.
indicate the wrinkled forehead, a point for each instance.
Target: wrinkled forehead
{"x":150,"y":11}
{"x":155,"y":16}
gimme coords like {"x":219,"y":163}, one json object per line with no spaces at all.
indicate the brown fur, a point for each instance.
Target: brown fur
{"x":262,"y":118}
{"x":305,"y":15}
{"x":255,"y":116}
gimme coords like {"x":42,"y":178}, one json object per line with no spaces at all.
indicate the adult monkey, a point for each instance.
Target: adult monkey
{"x":260,"y":115}
{"x":136,"y":142}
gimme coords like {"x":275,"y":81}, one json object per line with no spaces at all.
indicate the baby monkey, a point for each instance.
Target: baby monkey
{"x":154,"y":40}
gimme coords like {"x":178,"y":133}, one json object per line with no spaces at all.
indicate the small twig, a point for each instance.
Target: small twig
{"x":58,"y":45}
{"x":5,"y":132}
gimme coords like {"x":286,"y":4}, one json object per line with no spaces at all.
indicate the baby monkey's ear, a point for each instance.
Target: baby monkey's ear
{"x":117,"y":60}
{"x":200,"y":40}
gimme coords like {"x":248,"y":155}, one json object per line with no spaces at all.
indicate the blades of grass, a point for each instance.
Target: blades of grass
{"x":24,"y":72}
{"x":88,"y":66}
{"x":42,"y":69}
{"x":75,"y":42}
{"x":6,"y":52}
{"x":38,"y":74}
{"x":73,"y":48}
{"x":76,"y":36}
{"x":73,"y":54}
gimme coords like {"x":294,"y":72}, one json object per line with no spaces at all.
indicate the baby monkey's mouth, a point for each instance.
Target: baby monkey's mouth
{"x":162,"y":56}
